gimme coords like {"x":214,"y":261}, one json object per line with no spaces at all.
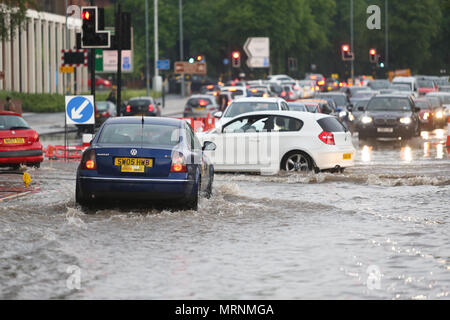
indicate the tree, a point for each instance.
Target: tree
{"x":12,"y":15}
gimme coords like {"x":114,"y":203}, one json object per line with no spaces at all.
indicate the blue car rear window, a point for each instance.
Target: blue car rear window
{"x":149,"y":134}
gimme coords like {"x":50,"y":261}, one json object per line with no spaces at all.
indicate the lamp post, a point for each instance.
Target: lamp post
{"x":180,"y":6}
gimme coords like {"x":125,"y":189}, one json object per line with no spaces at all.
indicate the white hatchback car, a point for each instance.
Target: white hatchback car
{"x":244,"y":105}
{"x":268,"y":141}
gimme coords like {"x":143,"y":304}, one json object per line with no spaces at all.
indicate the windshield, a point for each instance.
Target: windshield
{"x":422,"y":104}
{"x":297,"y":107}
{"x":338,"y":99}
{"x":12,"y":122}
{"x":312,"y":108}
{"x":376,"y":85}
{"x":388,"y":104}
{"x":102,"y":106}
{"x":425,"y":83}
{"x":237,"y":108}
{"x":199,"y":102}
{"x":401,"y":86}
{"x":152,"y":134}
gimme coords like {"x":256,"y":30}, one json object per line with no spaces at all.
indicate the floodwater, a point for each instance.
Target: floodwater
{"x":378,"y":231}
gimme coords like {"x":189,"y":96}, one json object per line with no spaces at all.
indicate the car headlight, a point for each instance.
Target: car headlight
{"x":366,"y":119}
{"x":351,"y":117}
{"x":426,"y":115}
{"x":406,"y":120}
{"x":342,"y":114}
{"x":439,"y":115}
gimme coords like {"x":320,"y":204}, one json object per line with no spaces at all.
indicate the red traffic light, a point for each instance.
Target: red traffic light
{"x":372,"y":52}
{"x":236,"y":54}
{"x":345,"y":48}
{"x":199,"y":58}
{"x":85,"y":15}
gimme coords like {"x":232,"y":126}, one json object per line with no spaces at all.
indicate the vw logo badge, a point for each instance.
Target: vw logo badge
{"x":133,"y":152}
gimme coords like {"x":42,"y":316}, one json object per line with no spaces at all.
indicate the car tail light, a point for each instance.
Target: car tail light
{"x":265,"y":95}
{"x":321,"y":83}
{"x":151,"y":107}
{"x":105,"y":114}
{"x":317,"y":88}
{"x":291,"y":93}
{"x":202,"y":102}
{"x":178,"y":162}
{"x":89,"y":162}
{"x":283,"y":94}
{"x":327,"y":138}
{"x":128,"y":108}
{"x":33,"y":139}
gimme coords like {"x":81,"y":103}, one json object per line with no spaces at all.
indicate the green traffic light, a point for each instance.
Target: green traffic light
{"x":191,"y":60}
{"x":381,"y":65}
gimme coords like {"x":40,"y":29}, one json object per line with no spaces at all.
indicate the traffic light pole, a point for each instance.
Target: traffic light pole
{"x":92,"y":62}
{"x":119,"y":56}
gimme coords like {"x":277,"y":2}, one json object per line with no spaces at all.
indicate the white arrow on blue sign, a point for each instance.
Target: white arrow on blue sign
{"x":80,"y":110}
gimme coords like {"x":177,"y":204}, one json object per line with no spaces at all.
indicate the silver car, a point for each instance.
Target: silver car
{"x":200,"y":105}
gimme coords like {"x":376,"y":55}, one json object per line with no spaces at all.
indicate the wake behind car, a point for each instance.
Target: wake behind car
{"x":19,"y":144}
{"x":269,"y":141}
{"x":142,"y":106}
{"x":390,"y":117}
{"x":145,"y":158}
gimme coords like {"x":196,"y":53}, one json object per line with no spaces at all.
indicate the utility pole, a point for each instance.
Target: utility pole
{"x":386,"y":58}
{"x":180,"y":11}
{"x":93,"y":76}
{"x":156,"y":81}
{"x":352,"y":45}
{"x":119,"y":55}
{"x":147,"y":58}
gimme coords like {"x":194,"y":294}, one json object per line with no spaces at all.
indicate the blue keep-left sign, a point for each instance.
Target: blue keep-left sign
{"x":163,"y":64}
{"x":80,"y":110}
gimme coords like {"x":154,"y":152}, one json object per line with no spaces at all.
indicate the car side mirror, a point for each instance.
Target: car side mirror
{"x":361,"y":109}
{"x":218,"y":114}
{"x":208,"y":145}
{"x":350,"y":107}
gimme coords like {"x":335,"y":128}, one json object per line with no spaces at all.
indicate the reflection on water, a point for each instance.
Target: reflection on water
{"x":425,"y":135}
{"x":366,"y":154}
{"x":440,"y":133}
{"x":406,"y":154}
{"x":440,"y":151}
{"x":426,"y":149}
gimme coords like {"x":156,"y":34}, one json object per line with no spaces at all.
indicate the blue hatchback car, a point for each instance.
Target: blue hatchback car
{"x":145,"y":158}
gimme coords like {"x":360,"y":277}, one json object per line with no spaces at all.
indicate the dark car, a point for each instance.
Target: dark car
{"x":389,"y":117}
{"x":142,"y":106}
{"x":200,"y":106}
{"x":145,"y":158}
{"x":104,"y":110}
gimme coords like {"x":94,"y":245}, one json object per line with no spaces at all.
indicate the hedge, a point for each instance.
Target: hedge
{"x":46,"y":102}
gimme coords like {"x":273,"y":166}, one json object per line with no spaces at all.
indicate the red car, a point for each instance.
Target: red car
{"x":425,"y":86}
{"x":100,"y":83}
{"x":19,"y":144}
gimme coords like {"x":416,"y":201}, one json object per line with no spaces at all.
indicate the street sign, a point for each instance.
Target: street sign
{"x":258,"y":52}
{"x":183,"y":67}
{"x":80,"y":110}
{"x":75,"y":57}
{"x":66,"y":69}
{"x":106,"y":61}
{"x":163,"y":64}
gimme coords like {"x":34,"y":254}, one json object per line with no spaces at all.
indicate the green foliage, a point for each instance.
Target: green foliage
{"x":12,"y":15}
{"x":37,"y":102}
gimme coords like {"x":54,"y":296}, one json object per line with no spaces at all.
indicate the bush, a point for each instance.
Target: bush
{"x":39,"y":102}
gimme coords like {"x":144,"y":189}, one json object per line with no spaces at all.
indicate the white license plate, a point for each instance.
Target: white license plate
{"x":386,"y":130}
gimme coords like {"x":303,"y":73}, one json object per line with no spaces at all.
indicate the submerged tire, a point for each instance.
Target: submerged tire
{"x":296,"y":161}
{"x":191,"y":202}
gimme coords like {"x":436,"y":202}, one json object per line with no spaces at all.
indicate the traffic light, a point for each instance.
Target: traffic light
{"x":199,"y":58}
{"x":236,"y":59}
{"x":191,"y":60}
{"x":347,"y":54}
{"x":91,"y":35}
{"x":373,"y":57}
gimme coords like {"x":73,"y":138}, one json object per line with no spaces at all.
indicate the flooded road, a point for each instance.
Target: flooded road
{"x":378,"y":231}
